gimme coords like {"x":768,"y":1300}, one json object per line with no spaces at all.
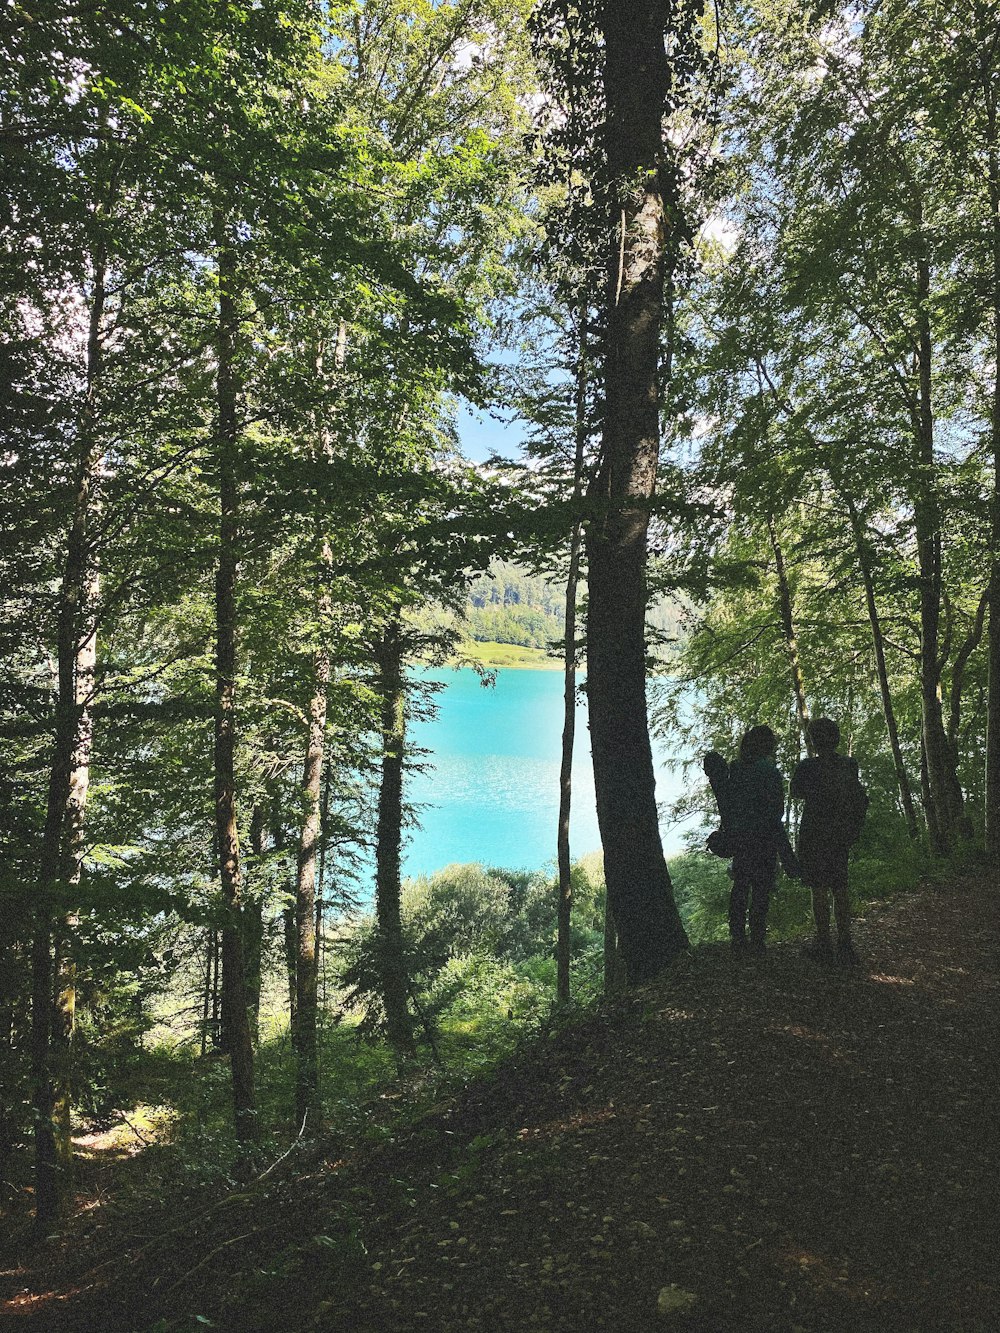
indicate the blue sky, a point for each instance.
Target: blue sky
{"x":481,"y":434}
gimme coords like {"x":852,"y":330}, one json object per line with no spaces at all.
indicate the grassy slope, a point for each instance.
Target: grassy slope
{"x":510,"y":655}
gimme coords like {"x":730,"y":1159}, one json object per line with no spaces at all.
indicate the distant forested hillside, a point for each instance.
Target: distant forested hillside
{"x":511,"y":604}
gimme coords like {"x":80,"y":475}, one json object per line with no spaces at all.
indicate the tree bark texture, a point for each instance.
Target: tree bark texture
{"x":65,"y":800}
{"x":235,"y":1019}
{"x":10,"y":1009}
{"x":306,"y":974}
{"x":990,"y":101}
{"x":253,"y":922}
{"x":389,"y":835}
{"x":946,"y":808}
{"x":68,"y":921}
{"x":636,"y":77}
{"x":790,"y":637}
{"x":290,"y":942}
{"x":565,"y":886}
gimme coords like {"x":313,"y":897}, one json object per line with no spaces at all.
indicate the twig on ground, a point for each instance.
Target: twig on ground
{"x":137,"y":1132}
{"x":208,"y":1257}
{"x":279,"y":1160}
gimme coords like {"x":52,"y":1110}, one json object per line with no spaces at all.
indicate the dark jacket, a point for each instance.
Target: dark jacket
{"x":755,"y":798}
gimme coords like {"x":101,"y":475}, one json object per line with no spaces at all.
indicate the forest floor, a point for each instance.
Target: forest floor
{"x":743,"y":1145}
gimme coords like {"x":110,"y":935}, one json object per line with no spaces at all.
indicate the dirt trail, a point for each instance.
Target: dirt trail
{"x":763,"y":1145}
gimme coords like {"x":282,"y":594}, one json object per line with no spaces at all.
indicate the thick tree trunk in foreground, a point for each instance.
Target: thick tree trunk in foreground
{"x":395,"y":982}
{"x":235,"y":1019}
{"x":615,"y":980}
{"x":565,"y":889}
{"x":636,"y":76}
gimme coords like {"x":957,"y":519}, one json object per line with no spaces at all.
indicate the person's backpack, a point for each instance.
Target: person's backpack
{"x":842,"y":797}
{"x":720,"y":840}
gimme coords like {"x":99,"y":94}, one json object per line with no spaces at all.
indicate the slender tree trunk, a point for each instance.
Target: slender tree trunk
{"x":218,"y":1036}
{"x":253,"y":922}
{"x":306,"y":969}
{"x":790,"y":637}
{"x":969,"y":646}
{"x":321,"y":887}
{"x":988,"y":78}
{"x":9,"y":998}
{"x":878,"y":644}
{"x":304,"y":1031}
{"x":64,"y":1019}
{"x":53,"y":1151}
{"x":235,"y":1018}
{"x":944,"y":791}
{"x":565,"y":903}
{"x":636,"y":77}
{"x":389,"y":835}
{"x":206,"y":1003}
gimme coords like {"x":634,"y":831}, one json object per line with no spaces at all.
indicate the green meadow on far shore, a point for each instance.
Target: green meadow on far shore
{"x":510,"y":655}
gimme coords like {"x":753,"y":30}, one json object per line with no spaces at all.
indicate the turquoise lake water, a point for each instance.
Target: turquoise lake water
{"x":490,"y":791}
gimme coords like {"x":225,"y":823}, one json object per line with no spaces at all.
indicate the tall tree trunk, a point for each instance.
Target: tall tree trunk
{"x":878,"y":645}
{"x":969,"y":646}
{"x":985,"y":25}
{"x":610,"y":949}
{"x":235,"y":1019}
{"x":565,"y":903}
{"x":63,"y":821}
{"x":9,"y":1015}
{"x":389,"y":836}
{"x":790,"y":637}
{"x":206,"y":999}
{"x":304,"y":1031}
{"x":290,"y":939}
{"x":321,"y":885}
{"x":253,"y":921}
{"x":636,"y":77}
{"x":306,"y":916}
{"x":944,"y":791}
{"x":68,"y":921}
{"x":218,"y":1041}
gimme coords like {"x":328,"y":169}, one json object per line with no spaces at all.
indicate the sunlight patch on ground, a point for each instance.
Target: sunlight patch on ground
{"x":582,"y":1120}
{"x":823,"y":1042}
{"x":129,"y":1134}
{"x":26,"y":1302}
{"x":826,"y":1274}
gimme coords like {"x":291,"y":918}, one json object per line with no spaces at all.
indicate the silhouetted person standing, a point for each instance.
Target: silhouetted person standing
{"x":754,"y":807}
{"x":832,"y":815}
